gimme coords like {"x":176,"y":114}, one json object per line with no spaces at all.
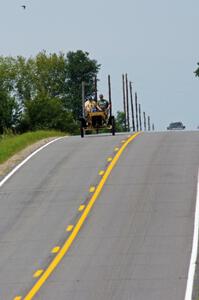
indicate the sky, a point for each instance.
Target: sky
{"x":156,"y":42}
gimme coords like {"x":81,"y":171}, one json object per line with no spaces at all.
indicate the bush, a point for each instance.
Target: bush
{"x":8,"y":112}
{"x":45,"y":113}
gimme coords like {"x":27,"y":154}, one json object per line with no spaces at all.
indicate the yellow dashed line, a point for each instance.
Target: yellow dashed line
{"x":81,"y":207}
{"x":38,"y":273}
{"x":123,"y":141}
{"x":92,"y":189}
{"x":101,"y":173}
{"x":55,"y":249}
{"x":109,"y":159}
{"x":69,"y":228}
{"x":18,"y":298}
{"x":40,"y":282}
{"x":116,"y":149}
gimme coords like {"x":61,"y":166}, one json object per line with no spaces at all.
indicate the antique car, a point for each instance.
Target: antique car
{"x":95,"y":117}
{"x":95,"y":121}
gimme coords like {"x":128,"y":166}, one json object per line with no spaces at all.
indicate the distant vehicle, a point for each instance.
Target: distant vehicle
{"x":176,"y":126}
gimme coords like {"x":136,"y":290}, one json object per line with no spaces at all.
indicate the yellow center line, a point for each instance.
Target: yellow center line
{"x":92,"y":189}
{"x":78,"y":226}
{"x":38,"y":273}
{"x":69,"y":228}
{"x":81,"y":207}
{"x":55,"y":249}
{"x":18,"y":298}
{"x":101,"y":172}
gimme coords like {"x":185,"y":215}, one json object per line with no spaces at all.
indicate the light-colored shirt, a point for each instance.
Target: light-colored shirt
{"x":90,"y":105}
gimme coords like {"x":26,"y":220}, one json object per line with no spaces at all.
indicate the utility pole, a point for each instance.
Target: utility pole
{"x":83,"y":97}
{"x":136,"y":112}
{"x":153,"y":127}
{"x":109,"y":93}
{"x":95,"y":87}
{"x":124,"y":100}
{"x":144,"y":115}
{"x":127,"y":102}
{"x":140,"y":118}
{"x":149,"y":124}
{"x":132,"y":108}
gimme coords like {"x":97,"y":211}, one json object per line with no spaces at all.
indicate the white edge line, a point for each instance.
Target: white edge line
{"x":25,"y":160}
{"x":193,"y":260}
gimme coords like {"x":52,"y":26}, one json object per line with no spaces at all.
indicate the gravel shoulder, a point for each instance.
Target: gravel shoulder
{"x":12,"y":162}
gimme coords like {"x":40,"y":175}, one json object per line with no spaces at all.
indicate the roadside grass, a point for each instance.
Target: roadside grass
{"x":11,"y":144}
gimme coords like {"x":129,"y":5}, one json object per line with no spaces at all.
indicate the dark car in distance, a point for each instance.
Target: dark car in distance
{"x":176,"y":126}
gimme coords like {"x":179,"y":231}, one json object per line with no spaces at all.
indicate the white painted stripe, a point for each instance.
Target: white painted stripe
{"x":193,"y":260}
{"x":25,"y":160}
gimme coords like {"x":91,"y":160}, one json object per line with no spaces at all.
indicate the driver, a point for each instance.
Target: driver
{"x":103,"y":103}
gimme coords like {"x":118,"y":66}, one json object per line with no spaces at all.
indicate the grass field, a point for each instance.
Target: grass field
{"x":11,"y":144}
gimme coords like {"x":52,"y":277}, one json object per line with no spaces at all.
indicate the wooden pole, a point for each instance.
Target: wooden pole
{"x":149,"y":124}
{"x":124,"y":99}
{"x":136,"y":112}
{"x":109,"y":94}
{"x":83,"y":98}
{"x":144,"y":115}
{"x":127,"y":102}
{"x":95,"y":86}
{"x":132,"y":108}
{"x":140,"y":118}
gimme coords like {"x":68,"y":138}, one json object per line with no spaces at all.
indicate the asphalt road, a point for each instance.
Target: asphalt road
{"x":136,"y":241}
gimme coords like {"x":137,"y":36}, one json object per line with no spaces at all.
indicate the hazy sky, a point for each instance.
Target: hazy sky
{"x":156,"y":42}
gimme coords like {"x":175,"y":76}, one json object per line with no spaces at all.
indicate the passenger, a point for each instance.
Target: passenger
{"x":103,"y":104}
{"x":91,"y":105}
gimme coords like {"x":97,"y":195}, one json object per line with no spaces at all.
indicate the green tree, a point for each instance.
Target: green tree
{"x":45,"y":74}
{"x":9,"y":112}
{"x":7,"y":74}
{"x":45,"y":89}
{"x":9,"y":108}
{"x":120,"y":121}
{"x":79,"y":68}
{"x":24,"y":87}
{"x":40,"y":86}
{"x":51,"y":72}
{"x":47,"y":113}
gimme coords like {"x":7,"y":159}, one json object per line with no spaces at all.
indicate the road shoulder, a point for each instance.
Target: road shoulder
{"x":12,"y":162}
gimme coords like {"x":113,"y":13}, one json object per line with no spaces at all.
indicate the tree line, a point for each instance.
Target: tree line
{"x":44,"y":92}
